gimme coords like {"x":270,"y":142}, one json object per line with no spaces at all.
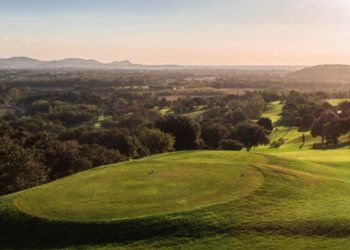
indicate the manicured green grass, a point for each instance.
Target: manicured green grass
{"x":273,"y":110}
{"x":166,"y":111}
{"x":335,"y":102}
{"x":131,"y":189}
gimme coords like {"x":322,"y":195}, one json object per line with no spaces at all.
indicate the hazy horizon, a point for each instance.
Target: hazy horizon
{"x":186,"y":65}
{"x":191,"y":32}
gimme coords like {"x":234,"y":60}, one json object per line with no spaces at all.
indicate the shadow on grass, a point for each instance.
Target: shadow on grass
{"x":318,"y":146}
{"x":304,"y":129}
{"x":278,"y":143}
{"x":22,"y":231}
{"x":204,"y":108}
{"x":282,"y":122}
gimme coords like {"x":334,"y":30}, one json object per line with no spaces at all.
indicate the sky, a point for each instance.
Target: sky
{"x":185,"y":32}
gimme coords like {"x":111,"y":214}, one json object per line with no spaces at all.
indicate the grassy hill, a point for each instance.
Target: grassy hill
{"x":323,"y":72}
{"x":288,"y":198}
{"x":140,"y":188}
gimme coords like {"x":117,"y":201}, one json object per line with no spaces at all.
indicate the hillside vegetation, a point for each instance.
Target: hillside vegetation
{"x":274,"y":197}
{"x":323,"y":72}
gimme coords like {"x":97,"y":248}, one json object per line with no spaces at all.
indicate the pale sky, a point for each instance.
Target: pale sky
{"x":186,"y":32}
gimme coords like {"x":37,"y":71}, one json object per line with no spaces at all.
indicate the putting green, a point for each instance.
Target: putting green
{"x":130,"y":190}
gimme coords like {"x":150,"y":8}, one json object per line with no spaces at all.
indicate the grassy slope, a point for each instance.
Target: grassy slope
{"x":302,"y":203}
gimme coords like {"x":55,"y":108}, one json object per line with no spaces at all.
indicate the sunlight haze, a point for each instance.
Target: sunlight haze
{"x":192,"y":32}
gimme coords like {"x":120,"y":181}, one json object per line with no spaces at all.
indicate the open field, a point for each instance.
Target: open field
{"x":335,"y":102}
{"x":290,"y":197}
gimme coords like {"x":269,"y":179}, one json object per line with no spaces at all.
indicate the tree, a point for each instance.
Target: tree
{"x":318,"y":112}
{"x":20,"y":163}
{"x":99,"y":155}
{"x":20,"y":168}
{"x":199,"y":101}
{"x":327,"y":106}
{"x":266,"y":123}
{"x":156,"y":141}
{"x":121,"y":139}
{"x":317,"y":128}
{"x":213,"y":133}
{"x":295,"y":97}
{"x":131,"y":121}
{"x":183,"y":128}
{"x":322,"y":95}
{"x":60,"y":157}
{"x":307,"y":120}
{"x":250,"y":134}
{"x":254,"y":107}
{"x":162,"y":103}
{"x":236,"y":117}
{"x":14,"y":93}
{"x":344,"y":106}
{"x":291,"y":110}
{"x":335,"y":128}
{"x":332,"y":130}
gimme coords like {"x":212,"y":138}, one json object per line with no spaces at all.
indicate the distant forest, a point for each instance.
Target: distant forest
{"x":313,"y":78}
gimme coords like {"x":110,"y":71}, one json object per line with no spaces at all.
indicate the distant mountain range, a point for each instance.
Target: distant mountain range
{"x":77,"y":63}
{"x":328,"y":71}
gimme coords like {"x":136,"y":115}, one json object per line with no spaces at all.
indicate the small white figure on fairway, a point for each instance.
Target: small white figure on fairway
{"x":242,"y":174}
{"x":151,"y":172}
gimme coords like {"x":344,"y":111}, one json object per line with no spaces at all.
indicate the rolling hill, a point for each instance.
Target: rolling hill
{"x":74,"y":63}
{"x":334,"y":72}
{"x":19,"y":62}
